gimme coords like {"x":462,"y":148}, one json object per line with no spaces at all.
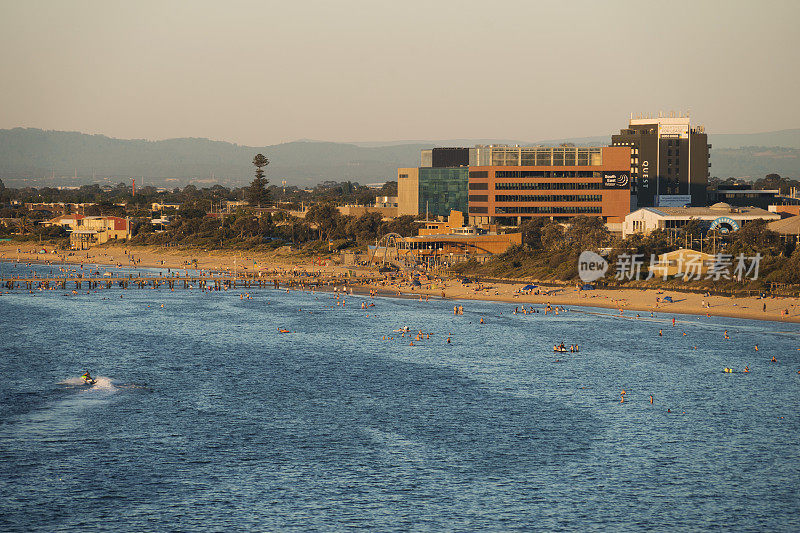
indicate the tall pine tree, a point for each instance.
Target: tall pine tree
{"x":257,"y":193}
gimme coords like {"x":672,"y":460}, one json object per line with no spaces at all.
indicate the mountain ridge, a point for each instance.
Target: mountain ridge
{"x":30,"y":156}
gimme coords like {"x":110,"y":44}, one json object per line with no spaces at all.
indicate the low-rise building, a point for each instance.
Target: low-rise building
{"x":386,"y":201}
{"x":453,"y":248}
{"x":155,"y":206}
{"x":690,"y":263}
{"x":387,"y":213}
{"x":744,"y":196}
{"x":88,"y":231}
{"x":785,"y":210}
{"x":788,"y":228}
{"x":720,"y":216}
{"x":58,"y":207}
{"x":68,"y":221}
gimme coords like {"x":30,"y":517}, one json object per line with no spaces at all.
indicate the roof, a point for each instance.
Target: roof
{"x":787,"y":226}
{"x":60,"y":218}
{"x":452,"y":236}
{"x":714,"y":211}
{"x":682,"y":252}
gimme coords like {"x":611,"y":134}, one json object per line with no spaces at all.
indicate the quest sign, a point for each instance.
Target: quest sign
{"x":616,"y":181}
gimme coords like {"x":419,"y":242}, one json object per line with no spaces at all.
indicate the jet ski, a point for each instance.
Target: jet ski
{"x":88,"y":380}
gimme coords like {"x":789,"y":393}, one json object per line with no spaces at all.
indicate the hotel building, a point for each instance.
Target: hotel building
{"x":669,"y":161}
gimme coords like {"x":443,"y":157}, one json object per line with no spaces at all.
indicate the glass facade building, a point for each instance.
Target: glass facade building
{"x":442,"y":190}
{"x":533,"y":156}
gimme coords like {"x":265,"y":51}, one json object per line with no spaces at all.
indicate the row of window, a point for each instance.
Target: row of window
{"x":548,"y":209}
{"x":545,"y":186}
{"x":547,"y":198}
{"x":547,"y":174}
{"x":528,"y":157}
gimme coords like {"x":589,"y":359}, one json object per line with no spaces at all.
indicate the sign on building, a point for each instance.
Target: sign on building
{"x":673,"y":200}
{"x":616,"y":181}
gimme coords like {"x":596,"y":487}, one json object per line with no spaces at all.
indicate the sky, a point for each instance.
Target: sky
{"x":264,"y":72}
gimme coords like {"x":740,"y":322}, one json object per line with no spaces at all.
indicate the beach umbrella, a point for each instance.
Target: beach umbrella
{"x":667,"y":299}
{"x":528,"y":287}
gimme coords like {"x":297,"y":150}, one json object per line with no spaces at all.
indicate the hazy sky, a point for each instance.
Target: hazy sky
{"x":264,"y":72}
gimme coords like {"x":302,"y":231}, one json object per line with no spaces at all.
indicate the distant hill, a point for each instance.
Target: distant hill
{"x":30,"y":156}
{"x":34,"y":153}
{"x":782,"y":138}
{"x":755,"y":162}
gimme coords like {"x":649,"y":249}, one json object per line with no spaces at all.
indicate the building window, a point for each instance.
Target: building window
{"x":478,"y":197}
{"x":478,"y":174}
{"x":546,"y":210}
{"x":478,"y":186}
{"x":546,"y":186}
{"x":547,"y":198}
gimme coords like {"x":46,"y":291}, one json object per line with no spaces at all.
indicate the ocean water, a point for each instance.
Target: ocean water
{"x":206,"y":418}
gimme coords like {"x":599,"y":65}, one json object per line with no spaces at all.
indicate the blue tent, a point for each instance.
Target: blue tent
{"x":587,"y":287}
{"x":528,"y":287}
{"x":667,"y":299}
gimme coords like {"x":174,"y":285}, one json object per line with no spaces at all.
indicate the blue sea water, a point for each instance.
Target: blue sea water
{"x":205,"y":418}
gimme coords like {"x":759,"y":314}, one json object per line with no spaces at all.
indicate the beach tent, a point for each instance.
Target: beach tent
{"x":587,"y":287}
{"x":528,"y":287}
{"x":667,"y":299}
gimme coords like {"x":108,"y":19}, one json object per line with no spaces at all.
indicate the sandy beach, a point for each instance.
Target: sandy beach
{"x":779,"y":309}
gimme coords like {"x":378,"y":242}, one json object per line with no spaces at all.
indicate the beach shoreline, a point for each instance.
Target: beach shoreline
{"x":773,"y":308}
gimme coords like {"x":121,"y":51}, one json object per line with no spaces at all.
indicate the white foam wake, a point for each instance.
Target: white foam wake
{"x":101,"y":383}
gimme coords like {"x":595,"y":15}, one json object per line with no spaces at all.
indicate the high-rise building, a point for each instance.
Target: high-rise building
{"x":510,"y":184}
{"x":669,"y":161}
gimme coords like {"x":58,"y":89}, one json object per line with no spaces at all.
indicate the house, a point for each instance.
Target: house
{"x":98,"y":230}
